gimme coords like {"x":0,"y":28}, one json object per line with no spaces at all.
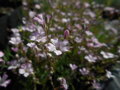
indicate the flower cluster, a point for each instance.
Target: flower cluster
{"x":61,"y":46}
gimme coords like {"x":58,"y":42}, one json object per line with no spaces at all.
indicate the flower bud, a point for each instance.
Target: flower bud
{"x":66,"y":33}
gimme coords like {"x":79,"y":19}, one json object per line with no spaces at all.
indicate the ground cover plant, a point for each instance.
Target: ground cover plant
{"x":66,"y":46}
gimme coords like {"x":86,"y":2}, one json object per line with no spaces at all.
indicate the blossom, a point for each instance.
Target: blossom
{"x":78,"y":26}
{"x":15,"y":40}
{"x":38,"y":35}
{"x":96,"y":85}
{"x":62,"y":45}
{"x":63,"y":83}
{"x":51,"y":47}
{"x":93,"y":42}
{"x":97,"y":43}
{"x":86,"y":5}
{"x":65,"y":20}
{"x":78,"y":40}
{"x":14,"y":64}
{"x":48,"y":17}
{"x":55,"y":41}
{"x":39,"y":18}
{"x":32,"y":14}
{"x":42,"y":39}
{"x":57,"y":52}
{"x":15,"y":49}
{"x":1,"y":60}
{"x":26,"y":69}
{"x":91,"y":58}
{"x":15,"y":30}
{"x":40,"y":31}
{"x":109,"y":74}
{"x":90,"y":13}
{"x":88,"y":33}
{"x":30,"y":27}
{"x":84,"y":71}
{"x":3,"y":80}
{"x":37,"y":6}
{"x":107,"y":55}
{"x":73,"y":66}
{"x":66,"y":33}
{"x":43,"y":55}
{"x":33,"y":37}
{"x":1,"y":54}
{"x":31,"y":45}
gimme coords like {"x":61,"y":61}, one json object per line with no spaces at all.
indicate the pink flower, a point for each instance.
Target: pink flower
{"x":14,"y":49}
{"x":66,"y":33}
{"x":1,"y":54}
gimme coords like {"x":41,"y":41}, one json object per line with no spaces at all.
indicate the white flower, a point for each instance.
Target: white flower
{"x":78,"y":40}
{"x":33,"y":38}
{"x":37,"y":6}
{"x":63,"y":83}
{"x":57,"y":52}
{"x":42,"y":39}
{"x":54,"y":41}
{"x":109,"y":74}
{"x":26,"y":69}
{"x":15,"y":40}
{"x":65,"y":20}
{"x":90,"y":58}
{"x":22,"y":71}
{"x":51,"y":47}
{"x":14,"y":30}
{"x":40,"y":19}
{"x":107,"y":55}
{"x":32,"y":14}
{"x":88,"y":33}
{"x":62,"y":45}
{"x":73,"y":66}
{"x":40,"y":30}
{"x":31,"y":45}
{"x":86,"y":5}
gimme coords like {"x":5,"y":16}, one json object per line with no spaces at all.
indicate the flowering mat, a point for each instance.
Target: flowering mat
{"x":62,"y":45}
